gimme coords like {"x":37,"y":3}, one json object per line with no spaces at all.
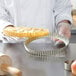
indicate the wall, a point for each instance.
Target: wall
{"x":74,"y":3}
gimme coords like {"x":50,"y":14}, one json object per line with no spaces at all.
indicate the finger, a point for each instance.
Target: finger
{"x":65,"y":32}
{"x":54,"y":39}
{"x":57,"y":40}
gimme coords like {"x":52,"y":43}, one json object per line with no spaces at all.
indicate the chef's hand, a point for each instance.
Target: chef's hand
{"x":7,"y":39}
{"x":64,"y":29}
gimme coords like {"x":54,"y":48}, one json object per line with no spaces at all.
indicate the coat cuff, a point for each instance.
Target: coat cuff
{"x":63,"y":17}
{"x":3,"y":24}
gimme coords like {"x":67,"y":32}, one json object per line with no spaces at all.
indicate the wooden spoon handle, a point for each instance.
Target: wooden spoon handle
{"x":11,"y":70}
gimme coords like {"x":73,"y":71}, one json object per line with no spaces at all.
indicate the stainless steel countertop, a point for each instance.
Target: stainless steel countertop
{"x":33,"y":66}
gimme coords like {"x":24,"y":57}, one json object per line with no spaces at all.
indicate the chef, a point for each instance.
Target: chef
{"x":51,"y":14}
{"x":54,"y":15}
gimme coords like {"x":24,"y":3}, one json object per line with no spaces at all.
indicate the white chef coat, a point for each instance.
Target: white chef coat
{"x":34,"y":13}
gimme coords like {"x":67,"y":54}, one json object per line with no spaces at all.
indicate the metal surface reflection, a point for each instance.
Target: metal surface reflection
{"x":31,"y":65}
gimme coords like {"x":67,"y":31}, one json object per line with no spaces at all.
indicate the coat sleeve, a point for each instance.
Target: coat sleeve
{"x":5,"y":16}
{"x":62,"y":10}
